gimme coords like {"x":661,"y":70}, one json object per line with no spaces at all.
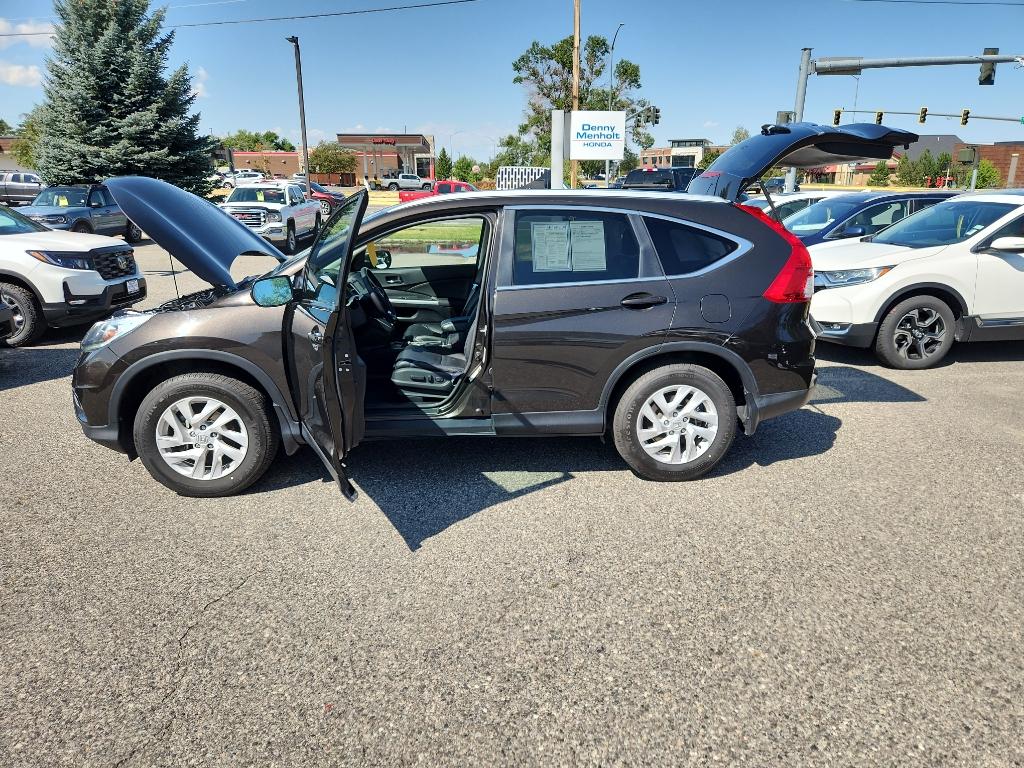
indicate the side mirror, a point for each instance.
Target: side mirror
{"x":383,"y":259}
{"x":1008,"y":244}
{"x":272,"y":291}
{"x":853,"y":232}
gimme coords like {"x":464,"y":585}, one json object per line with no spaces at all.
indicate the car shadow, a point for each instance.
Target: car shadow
{"x":44,"y":360}
{"x":970,"y":352}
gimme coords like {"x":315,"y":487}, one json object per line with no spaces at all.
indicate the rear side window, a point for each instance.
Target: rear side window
{"x":574,"y":247}
{"x":684,"y":249}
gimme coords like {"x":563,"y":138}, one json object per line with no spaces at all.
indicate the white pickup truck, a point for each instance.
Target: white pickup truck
{"x":404,"y":181}
{"x":278,"y":211}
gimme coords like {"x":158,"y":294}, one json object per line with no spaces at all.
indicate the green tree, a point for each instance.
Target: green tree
{"x":925,"y":167}
{"x":109,"y":107}
{"x":546,"y":72}
{"x":331,"y":157}
{"x":5,"y":128}
{"x":463,"y":169}
{"x":24,"y":147}
{"x":740,"y":134}
{"x":630,"y":160}
{"x":906,"y":172}
{"x":988,"y":175}
{"x":880,"y":176}
{"x":708,"y":158}
{"x":443,"y":165}
{"x":256,"y":141}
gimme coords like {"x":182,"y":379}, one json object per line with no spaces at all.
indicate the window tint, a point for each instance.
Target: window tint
{"x":1014,"y":229}
{"x":574,"y":246}
{"x":108,"y":199}
{"x":877,"y":217}
{"x":684,"y":249}
{"x":16,"y":178}
{"x":444,"y":189}
{"x":950,"y":222}
{"x":32,"y":179}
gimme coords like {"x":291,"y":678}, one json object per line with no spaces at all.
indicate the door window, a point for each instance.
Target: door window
{"x":444,"y":189}
{"x":573,"y":247}
{"x":877,"y":217}
{"x":96,"y":198}
{"x":323,"y":269}
{"x":32,"y":179}
{"x":15,"y":178}
{"x":430,"y":244}
{"x":683,"y":249}
{"x":296,"y":195}
{"x":106,"y":197}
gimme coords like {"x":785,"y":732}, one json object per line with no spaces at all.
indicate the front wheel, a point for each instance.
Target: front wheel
{"x":393,"y":187}
{"x":425,"y":187}
{"x":917,"y":333}
{"x":325,"y":208}
{"x":204,"y":434}
{"x":675,"y":422}
{"x":132,"y":233}
{"x":291,"y":242}
{"x":27,"y":315}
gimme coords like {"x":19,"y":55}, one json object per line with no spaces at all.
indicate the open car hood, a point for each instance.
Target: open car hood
{"x":800,"y":145}
{"x":193,"y":230}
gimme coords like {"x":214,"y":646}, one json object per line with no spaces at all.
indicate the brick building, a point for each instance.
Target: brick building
{"x":1006,"y":157}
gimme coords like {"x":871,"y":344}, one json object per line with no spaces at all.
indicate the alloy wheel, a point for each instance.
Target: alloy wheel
{"x":325,"y":208}
{"x":677,"y":424}
{"x":201,"y":438}
{"x":919,"y":334}
{"x":16,"y":313}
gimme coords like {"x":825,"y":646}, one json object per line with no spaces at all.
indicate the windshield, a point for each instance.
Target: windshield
{"x":317,"y":188}
{"x":256,"y":195}
{"x":12,"y":223}
{"x":62,"y":197}
{"x":815,"y":218}
{"x":949,"y":222}
{"x":650,"y":177}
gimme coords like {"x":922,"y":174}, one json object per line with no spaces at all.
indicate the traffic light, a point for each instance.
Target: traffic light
{"x":987,"y":75}
{"x":654,"y":115}
{"x":837,"y":116}
{"x":965,"y":116}
{"x":922,"y":115}
{"x":878,"y":118}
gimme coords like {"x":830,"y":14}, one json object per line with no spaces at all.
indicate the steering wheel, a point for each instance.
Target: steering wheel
{"x":378,"y":296}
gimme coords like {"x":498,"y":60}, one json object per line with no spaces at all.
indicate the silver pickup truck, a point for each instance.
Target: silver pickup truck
{"x":19,"y":187}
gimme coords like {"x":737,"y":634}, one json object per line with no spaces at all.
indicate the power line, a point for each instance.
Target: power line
{"x":1003,"y":3}
{"x":359,"y":12}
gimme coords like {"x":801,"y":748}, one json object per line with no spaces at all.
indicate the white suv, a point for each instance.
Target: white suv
{"x":276,"y":210}
{"x":53,"y":278}
{"x":952,"y":272}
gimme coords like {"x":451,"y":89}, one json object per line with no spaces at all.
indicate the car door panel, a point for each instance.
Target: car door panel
{"x":999,"y":291}
{"x":428,"y":294}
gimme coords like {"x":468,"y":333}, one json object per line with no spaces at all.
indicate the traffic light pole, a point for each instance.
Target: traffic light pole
{"x":1019,"y":120}
{"x":854,"y":66}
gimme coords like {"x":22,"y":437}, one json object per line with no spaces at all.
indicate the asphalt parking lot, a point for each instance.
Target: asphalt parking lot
{"x":847,"y":588}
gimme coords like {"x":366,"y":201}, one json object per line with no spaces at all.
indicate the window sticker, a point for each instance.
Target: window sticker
{"x":586,"y":246}
{"x":259,"y":195}
{"x":550,"y":242}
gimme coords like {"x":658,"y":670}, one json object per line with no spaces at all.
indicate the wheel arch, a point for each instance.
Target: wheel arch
{"x":139,"y":379}
{"x":947,"y":293}
{"x":20,"y":280}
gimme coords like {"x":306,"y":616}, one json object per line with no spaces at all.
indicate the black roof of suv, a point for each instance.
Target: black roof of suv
{"x":669,"y":320}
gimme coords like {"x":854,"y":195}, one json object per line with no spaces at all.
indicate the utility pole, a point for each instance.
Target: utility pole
{"x":302,"y":111}
{"x":575,"y":77}
{"x":611,"y":92}
{"x":798,"y":106}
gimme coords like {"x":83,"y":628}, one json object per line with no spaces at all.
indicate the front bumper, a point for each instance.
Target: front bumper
{"x":81,"y":308}
{"x":848,"y":334}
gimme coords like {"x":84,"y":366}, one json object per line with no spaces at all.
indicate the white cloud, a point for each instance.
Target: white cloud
{"x":35,"y":41}
{"x":710,"y":124}
{"x":19,"y":74}
{"x":199,"y":80}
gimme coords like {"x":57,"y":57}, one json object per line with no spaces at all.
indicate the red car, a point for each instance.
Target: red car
{"x":438,"y":188}
{"x":328,"y":200}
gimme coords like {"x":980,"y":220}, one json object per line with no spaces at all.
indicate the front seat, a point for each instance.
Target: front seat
{"x":447,"y":334}
{"x":425,"y":371}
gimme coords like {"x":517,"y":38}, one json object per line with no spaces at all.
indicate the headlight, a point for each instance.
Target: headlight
{"x":853,"y":276}
{"x":273,"y":216}
{"x":105,"y":331}
{"x":66,"y":260}
{"x":52,"y":219}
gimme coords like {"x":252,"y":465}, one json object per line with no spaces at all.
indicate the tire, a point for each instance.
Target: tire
{"x":425,"y":187}
{"x":291,"y":243}
{"x":82,"y":228}
{"x":915,"y":334}
{"x":28,"y":316}
{"x":325,"y":208}
{"x":249,"y":407}
{"x":132,"y":234}
{"x":316,"y":227}
{"x":696,"y":388}
{"x":392,"y":187}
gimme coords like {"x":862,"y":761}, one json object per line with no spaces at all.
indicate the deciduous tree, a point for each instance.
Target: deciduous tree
{"x":255,"y":141}
{"x":331,"y":157}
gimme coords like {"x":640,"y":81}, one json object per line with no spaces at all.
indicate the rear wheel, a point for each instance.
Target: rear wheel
{"x":425,"y":186}
{"x":204,"y":434}
{"x":393,"y":187}
{"x":82,"y":227}
{"x":28,"y":317}
{"x":325,"y":208}
{"x":675,"y":422}
{"x":132,"y":233}
{"x":917,"y":333}
{"x":291,"y":242}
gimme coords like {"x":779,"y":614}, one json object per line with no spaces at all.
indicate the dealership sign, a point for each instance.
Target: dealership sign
{"x":597,"y":135}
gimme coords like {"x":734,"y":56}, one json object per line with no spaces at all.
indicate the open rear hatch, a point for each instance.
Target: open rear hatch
{"x":195,"y":231}
{"x":799,"y":145}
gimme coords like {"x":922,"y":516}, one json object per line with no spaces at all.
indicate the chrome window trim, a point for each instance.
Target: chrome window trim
{"x":743,"y":246}
{"x":647,"y":279}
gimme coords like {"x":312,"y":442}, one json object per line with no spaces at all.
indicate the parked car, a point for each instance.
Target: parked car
{"x":616,"y":183}
{"x":774,"y":185}
{"x":786,"y":204}
{"x":236,"y":178}
{"x":329,"y":201}
{"x":85,"y":208}
{"x":404,"y":181}
{"x":19,"y":187}
{"x":857,"y":214}
{"x":277,"y":211}
{"x":445,"y":187}
{"x":952,"y":272}
{"x":659,"y":179}
{"x":6,"y":319}
{"x":702,"y":329}
{"x":51,"y":278}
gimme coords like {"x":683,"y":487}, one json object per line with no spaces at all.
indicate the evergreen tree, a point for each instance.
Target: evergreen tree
{"x":443,"y":165}
{"x":880,"y":176}
{"x":926,"y":169}
{"x":905,"y":171}
{"x":5,"y":128}
{"x":110,"y":110}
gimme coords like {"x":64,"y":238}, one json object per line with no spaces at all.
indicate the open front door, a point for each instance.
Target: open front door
{"x":328,"y":379}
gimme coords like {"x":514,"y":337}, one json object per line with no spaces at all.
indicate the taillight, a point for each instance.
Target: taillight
{"x":795,"y":282}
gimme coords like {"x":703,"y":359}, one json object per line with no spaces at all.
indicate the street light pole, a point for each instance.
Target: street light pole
{"x":611,"y":90}
{"x":302,"y":111}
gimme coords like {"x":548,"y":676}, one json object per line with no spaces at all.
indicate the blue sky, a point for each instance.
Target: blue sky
{"x":709,"y":66}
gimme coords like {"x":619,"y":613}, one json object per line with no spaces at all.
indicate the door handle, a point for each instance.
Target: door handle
{"x":642,"y":301}
{"x":392,"y":279}
{"x":316,"y":338}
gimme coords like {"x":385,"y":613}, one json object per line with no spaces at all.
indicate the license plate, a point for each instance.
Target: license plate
{"x":132,"y":286}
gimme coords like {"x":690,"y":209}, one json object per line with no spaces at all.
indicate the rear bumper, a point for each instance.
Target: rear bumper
{"x":760,"y":408}
{"x":85,"y":308}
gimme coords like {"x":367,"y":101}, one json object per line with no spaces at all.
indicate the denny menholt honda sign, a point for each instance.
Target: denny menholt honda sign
{"x":597,"y":135}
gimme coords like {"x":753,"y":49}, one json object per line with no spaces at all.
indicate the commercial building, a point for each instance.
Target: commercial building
{"x":680,"y":153}
{"x":383,"y":154}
